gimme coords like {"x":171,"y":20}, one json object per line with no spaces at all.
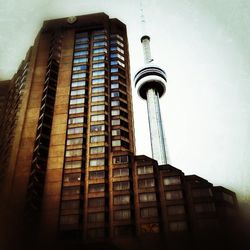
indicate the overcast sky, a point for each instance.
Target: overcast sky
{"x":204,"y":45}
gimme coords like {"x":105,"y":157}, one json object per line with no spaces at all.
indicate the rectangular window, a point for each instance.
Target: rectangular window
{"x":100,"y":107}
{"x":76,"y":110}
{"x":78,"y":75}
{"x":72,"y":178}
{"x":114,"y":70}
{"x":97,"y":128}
{"x":77,"y":92}
{"x":96,"y":217}
{"x":98,"y":81}
{"x":121,"y":200}
{"x":95,"y":233}
{"x":74,"y":152}
{"x":121,"y":185}
{"x":97,"y":162}
{"x":101,"y":50}
{"x":116,"y":122}
{"x":98,"y":58}
{"x":100,"y":187}
{"x":81,"y":40}
{"x":147,"y":197}
{"x":115,"y":103}
{"x":98,"y":73}
{"x":78,"y":130}
{"x":113,"y":78}
{"x":116,"y":55}
{"x":121,"y":159}
{"x":81,"y":53}
{"x":117,"y":42}
{"x":97,"y":138}
{"x":176,"y":210}
{"x":78,"y":84}
{"x":72,"y":164}
{"x":93,"y":175}
{"x":177,"y":226}
{"x":116,"y":143}
{"x":145,"y":170}
{"x":98,"y":89}
{"x":117,"y":49}
{"x":149,"y":212}
{"x":115,"y":94}
{"x":75,"y":120}
{"x":97,"y":150}
{"x":99,"y":98}
{"x":98,"y":65}
{"x":95,"y":118}
{"x":96,"y":202}
{"x":115,"y":112}
{"x":80,"y":60}
{"x":102,"y":43}
{"x":204,"y":208}
{"x":80,"y":67}
{"x":119,"y":172}
{"x":75,"y":141}
{"x":69,"y":219}
{"x":202,"y":192}
{"x":174,"y":195}
{"x":101,"y":36}
{"x":114,"y":86}
{"x":124,"y":214}
{"x":69,"y":191}
{"x":77,"y":101}
{"x":82,"y":46}
{"x":172,"y":180}
{"x":145,"y":183}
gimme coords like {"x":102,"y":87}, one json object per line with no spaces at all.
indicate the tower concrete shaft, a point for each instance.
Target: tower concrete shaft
{"x":150,"y":82}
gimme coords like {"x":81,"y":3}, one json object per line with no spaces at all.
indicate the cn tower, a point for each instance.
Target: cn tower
{"x":150,"y":82}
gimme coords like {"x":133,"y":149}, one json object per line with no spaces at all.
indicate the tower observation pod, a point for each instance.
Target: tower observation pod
{"x":150,"y":82}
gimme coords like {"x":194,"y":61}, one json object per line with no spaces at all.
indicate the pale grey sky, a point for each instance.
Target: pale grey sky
{"x":204,"y":45}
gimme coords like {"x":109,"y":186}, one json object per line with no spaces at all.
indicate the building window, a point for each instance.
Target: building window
{"x":103,"y":43}
{"x":174,"y":195}
{"x":97,"y":128}
{"x":96,"y":202}
{"x":101,"y":50}
{"x":147,"y":197}
{"x":121,"y":200}
{"x":71,"y":191}
{"x":97,"y":138}
{"x":72,"y":164}
{"x":95,"y":118}
{"x":98,"y":73}
{"x":94,"y":233}
{"x":145,"y":183}
{"x":101,"y":36}
{"x":176,"y":210}
{"x":149,"y":212}
{"x":100,"y":187}
{"x":117,"y":48}
{"x":98,"y":81}
{"x":204,"y":208}
{"x":123,"y":231}
{"x":97,"y":150}
{"x":79,"y":67}
{"x":98,"y":65}
{"x":74,"y":152}
{"x":80,"y":60}
{"x":115,"y":122}
{"x":119,"y":172}
{"x":78,"y":84}
{"x":96,"y":175}
{"x":69,"y":219}
{"x":116,"y":55}
{"x":177,"y":226}
{"x":97,"y":162}
{"x":116,"y":143}
{"x":121,"y":185}
{"x":117,"y":42}
{"x":75,"y":141}
{"x":77,"y":130}
{"x":77,"y":92}
{"x":115,"y":103}
{"x":81,"y":40}
{"x":98,"y":58}
{"x":115,"y":86}
{"x":75,"y":120}
{"x":114,"y":70}
{"x":124,"y":214}
{"x":202,"y":192}
{"x":72,"y":178}
{"x":150,"y":228}
{"x":98,"y":89}
{"x":99,"y":98}
{"x":82,"y":46}
{"x":116,"y":132}
{"x":115,"y":112}
{"x":77,"y":101}
{"x":76,"y":110}
{"x":120,"y":159}
{"x":114,"y":94}
{"x":81,"y":53}
{"x":113,"y":78}
{"x":172,"y":180}
{"x":96,"y":217}
{"x":100,"y":107}
{"x":145,"y":170}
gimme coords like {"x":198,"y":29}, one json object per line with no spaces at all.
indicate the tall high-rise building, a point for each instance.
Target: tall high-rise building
{"x":70,"y":178}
